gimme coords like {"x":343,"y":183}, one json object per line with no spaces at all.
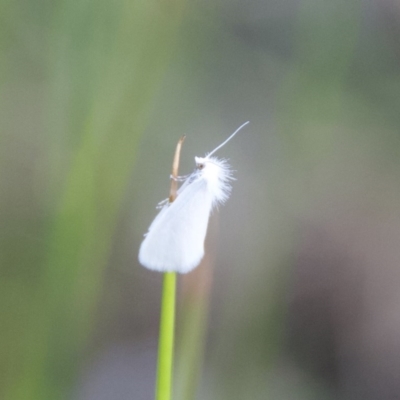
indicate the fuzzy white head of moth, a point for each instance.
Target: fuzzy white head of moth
{"x":217,"y":173}
{"x":175,"y":239}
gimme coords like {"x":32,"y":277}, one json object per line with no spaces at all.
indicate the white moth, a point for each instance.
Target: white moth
{"x":175,"y":239}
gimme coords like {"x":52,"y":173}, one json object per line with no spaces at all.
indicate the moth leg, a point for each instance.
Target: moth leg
{"x":162,"y":203}
{"x":179,"y":178}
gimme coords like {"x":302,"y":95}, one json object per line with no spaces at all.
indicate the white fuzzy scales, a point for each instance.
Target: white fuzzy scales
{"x":175,"y":239}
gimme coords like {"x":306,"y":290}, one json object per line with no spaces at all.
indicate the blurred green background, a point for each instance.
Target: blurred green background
{"x":297,"y":297}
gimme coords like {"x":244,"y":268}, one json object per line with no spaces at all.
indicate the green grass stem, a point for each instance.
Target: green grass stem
{"x":166,"y":340}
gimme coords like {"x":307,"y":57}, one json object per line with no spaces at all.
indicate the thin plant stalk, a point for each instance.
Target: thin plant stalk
{"x":167,"y":320}
{"x":166,"y":341}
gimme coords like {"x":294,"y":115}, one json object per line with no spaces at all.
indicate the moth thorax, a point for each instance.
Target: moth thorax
{"x":209,"y":170}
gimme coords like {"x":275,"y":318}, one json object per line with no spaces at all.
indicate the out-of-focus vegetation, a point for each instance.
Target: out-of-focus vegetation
{"x":298,"y":295}
{"x":78,"y":80}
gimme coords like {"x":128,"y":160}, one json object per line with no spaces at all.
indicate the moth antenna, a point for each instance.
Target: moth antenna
{"x":227,"y":140}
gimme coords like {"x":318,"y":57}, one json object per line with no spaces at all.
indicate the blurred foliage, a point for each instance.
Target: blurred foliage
{"x":98,"y":65}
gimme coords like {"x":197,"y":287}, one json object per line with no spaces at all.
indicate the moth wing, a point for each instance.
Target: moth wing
{"x":175,"y":240}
